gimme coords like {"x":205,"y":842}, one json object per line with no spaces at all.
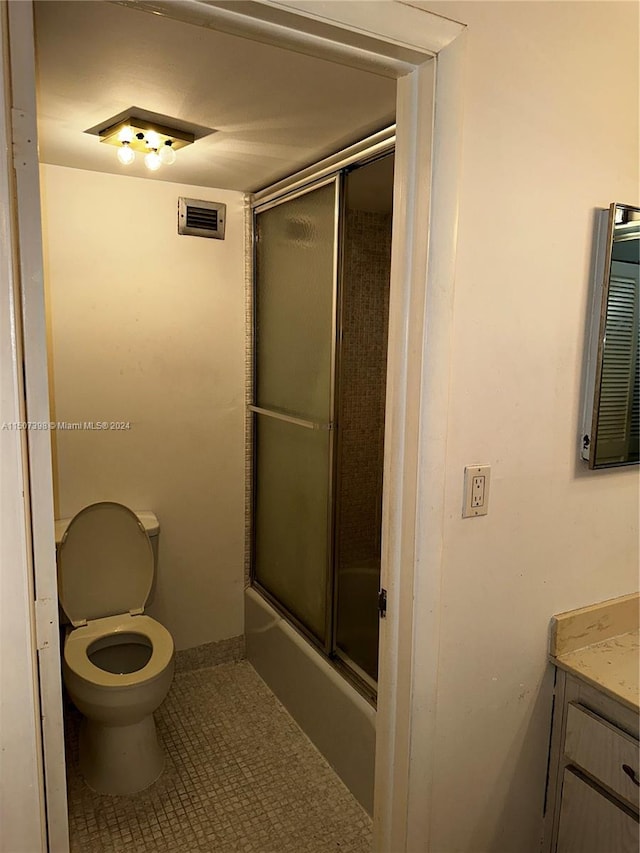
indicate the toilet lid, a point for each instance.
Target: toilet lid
{"x":105,"y":563}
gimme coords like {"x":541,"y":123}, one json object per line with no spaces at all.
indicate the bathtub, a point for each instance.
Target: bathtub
{"x":333,"y":715}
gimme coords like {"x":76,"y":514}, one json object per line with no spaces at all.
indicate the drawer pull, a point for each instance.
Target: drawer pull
{"x":631,"y":773}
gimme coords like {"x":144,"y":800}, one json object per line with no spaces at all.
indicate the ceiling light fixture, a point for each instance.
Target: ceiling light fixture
{"x":157,"y":142}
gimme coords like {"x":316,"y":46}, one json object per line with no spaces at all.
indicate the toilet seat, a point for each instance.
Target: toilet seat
{"x":105,"y":564}
{"x":79,"y":639}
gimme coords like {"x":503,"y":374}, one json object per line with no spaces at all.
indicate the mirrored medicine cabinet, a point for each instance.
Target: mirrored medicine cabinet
{"x":611,"y":428}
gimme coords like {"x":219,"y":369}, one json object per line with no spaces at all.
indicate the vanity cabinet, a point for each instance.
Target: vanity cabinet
{"x":590,"y":822}
{"x":594,"y":772}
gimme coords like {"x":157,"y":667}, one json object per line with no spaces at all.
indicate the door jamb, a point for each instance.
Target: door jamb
{"x":39,"y":492}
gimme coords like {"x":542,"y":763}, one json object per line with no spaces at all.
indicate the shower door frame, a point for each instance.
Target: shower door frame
{"x":367,"y":685}
{"x":425,"y":54}
{"x":330,"y":170}
{"x":275,"y":200}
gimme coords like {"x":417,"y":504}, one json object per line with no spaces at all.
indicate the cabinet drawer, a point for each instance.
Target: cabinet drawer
{"x":592,"y":823}
{"x":604,"y":752}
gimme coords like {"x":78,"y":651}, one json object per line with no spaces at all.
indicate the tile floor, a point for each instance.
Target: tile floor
{"x":240,"y":776}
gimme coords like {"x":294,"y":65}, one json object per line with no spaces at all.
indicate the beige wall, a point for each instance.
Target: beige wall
{"x":550,"y":133}
{"x":147,"y":326}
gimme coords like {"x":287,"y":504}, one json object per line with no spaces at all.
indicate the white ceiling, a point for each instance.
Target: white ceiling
{"x":273,"y":111}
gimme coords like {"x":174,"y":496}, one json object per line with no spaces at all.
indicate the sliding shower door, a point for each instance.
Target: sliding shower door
{"x":360,"y":412}
{"x":296,"y":245}
{"x":321,"y":308}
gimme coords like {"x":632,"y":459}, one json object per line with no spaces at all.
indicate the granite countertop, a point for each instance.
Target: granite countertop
{"x":601,"y":645}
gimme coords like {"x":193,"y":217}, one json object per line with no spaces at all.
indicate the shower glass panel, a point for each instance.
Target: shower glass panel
{"x":295,"y":299}
{"x":365,"y":274}
{"x":296,"y":268}
{"x":291,"y":525}
{"x":321,"y":307}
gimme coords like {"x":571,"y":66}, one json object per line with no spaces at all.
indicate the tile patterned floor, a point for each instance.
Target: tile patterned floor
{"x":240,"y":776}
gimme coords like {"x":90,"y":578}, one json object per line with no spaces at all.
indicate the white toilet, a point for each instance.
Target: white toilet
{"x":118,"y":663}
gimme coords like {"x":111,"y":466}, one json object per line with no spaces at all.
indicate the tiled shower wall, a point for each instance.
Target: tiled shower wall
{"x":362,"y":385}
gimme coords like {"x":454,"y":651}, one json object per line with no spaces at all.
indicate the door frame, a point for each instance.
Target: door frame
{"x":425,"y":53}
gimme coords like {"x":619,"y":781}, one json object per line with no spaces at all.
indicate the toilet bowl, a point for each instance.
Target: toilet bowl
{"x":117,"y":662}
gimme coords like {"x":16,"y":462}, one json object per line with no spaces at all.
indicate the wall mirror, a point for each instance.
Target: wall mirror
{"x":612,"y":401}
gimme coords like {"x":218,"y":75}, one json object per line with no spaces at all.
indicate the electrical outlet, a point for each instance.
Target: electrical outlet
{"x":476,"y":490}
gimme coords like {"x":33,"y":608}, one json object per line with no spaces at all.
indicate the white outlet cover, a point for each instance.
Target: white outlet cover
{"x":470,"y":472}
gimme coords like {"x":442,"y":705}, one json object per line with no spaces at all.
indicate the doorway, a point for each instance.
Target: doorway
{"x":407,"y":294}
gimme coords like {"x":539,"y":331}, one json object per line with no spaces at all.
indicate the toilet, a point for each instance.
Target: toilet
{"x":117,"y":662}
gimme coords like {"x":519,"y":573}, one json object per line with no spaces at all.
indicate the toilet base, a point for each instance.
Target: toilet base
{"x":120,"y":759}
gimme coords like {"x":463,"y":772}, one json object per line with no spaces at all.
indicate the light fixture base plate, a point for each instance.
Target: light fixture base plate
{"x":179,"y":138}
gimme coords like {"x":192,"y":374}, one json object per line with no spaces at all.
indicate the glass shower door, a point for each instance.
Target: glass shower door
{"x":360,"y":412}
{"x":294,"y":351}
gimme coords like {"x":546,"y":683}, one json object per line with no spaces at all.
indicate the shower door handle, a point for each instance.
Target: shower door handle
{"x":291,"y":419}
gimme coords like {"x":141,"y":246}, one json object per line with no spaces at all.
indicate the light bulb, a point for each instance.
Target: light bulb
{"x":126,"y":155}
{"x":152,"y":139}
{"x":152,"y":160}
{"x":126,"y":135}
{"x":167,"y":154}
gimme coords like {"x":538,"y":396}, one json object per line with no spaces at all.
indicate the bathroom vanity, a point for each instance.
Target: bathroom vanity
{"x":594,"y":774}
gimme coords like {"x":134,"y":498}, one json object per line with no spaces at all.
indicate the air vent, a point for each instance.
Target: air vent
{"x":201,"y":218}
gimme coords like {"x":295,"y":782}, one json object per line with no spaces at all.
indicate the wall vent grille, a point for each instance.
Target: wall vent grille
{"x":201,"y":218}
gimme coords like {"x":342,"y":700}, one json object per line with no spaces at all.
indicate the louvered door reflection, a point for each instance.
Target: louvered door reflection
{"x":618,"y":419}
{"x":294,"y":351}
